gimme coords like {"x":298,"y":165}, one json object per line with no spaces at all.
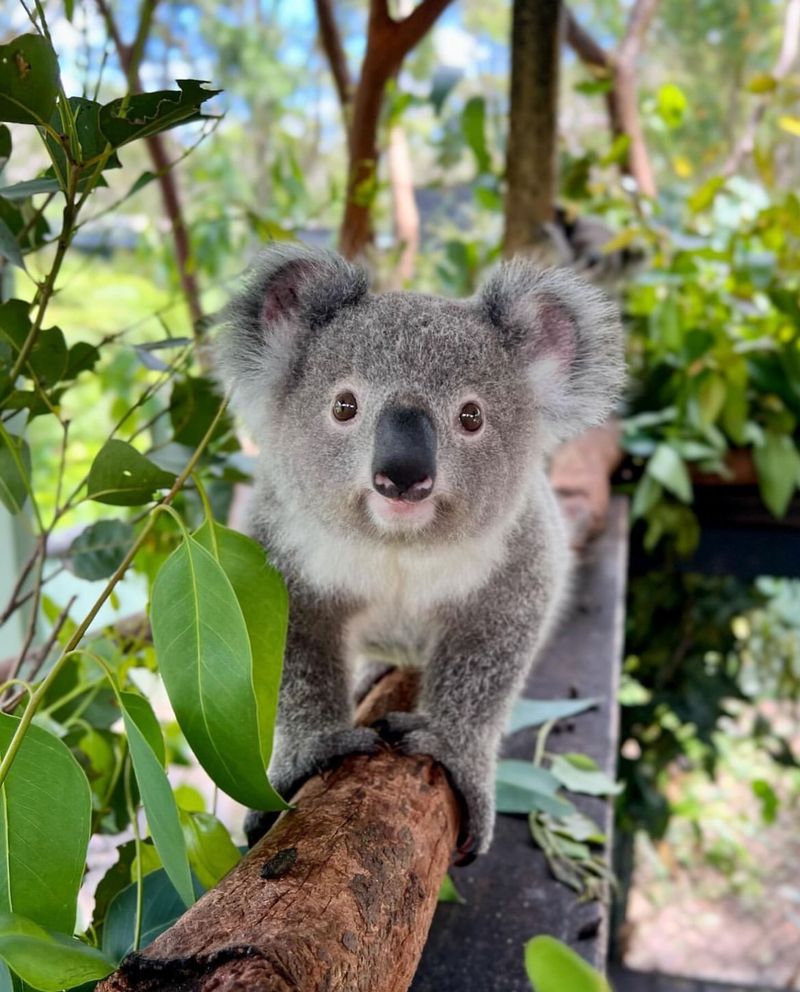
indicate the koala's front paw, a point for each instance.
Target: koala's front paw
{"x":470,"y":767}
{"x":295,"y":761}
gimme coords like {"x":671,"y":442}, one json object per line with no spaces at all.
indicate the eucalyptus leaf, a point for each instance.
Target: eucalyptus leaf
{"x":261,"y":593}
{"x":535,"y":712}
{"x":46,"y":960}
{"x":667,"y":467}
{"x":161,"y":907}
{"x":157,"y":799}
{"x":212,"y":853}
{"x":449,"y":893}
{"x":553,"y":967}
{"x":28,"y":80}
{"x":206,"y":661}
{"x":145,"y":114}
{"x":777,"y":463}
{"x":9,"y":247}
{"x":99,"y":550}
{"x":15,"y":471}
{"x":45,"y":815}
{"x":121,"y":476}
{"x":579,"y":774}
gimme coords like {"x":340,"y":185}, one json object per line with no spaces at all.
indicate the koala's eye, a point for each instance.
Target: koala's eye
{"x":345,"y":406}
{"x":471,"y":417}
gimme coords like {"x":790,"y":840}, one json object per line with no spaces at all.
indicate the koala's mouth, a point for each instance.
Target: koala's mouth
{"x":398,"y":514}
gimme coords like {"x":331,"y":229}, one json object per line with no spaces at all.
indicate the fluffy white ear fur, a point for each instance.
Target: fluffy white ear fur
{"x":570,"y":335}
{"x":290,"y":291}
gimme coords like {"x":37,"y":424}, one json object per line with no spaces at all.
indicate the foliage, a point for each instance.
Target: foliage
{"x":552,"y":966}
{"x":74,"y":715}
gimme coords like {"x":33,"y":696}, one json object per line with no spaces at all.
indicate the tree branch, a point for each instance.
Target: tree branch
{"x":130,"y":57}
{"x":786,"y":58}
{"x":331,"y":41}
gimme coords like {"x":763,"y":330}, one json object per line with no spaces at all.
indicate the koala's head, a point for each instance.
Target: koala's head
{"x":411,"y":418}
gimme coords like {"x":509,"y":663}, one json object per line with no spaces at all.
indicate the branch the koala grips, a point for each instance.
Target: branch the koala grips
{"x":466,"y":583}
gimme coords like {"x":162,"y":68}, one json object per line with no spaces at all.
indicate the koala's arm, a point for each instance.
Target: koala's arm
{"x":315,"y":708}
{"x":486,"y":648}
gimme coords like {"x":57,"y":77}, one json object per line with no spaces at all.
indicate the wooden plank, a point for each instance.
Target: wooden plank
{"x":511,"y":895}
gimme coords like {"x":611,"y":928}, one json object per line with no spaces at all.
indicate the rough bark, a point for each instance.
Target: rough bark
{"x":338,"y":896}
{"x":622,"y":101}
{"x":790,"y":46}
{"x":533,"y":123}
{"x":388,"y":43}
{"x":130,"y":59}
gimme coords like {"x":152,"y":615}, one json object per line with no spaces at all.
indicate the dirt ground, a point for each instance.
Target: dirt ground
{"x":719,"y":898}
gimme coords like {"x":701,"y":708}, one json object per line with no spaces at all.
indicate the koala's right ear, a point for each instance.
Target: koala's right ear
{"x":290,"y":291}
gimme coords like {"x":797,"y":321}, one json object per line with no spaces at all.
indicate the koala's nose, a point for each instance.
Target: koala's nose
{"x":404,"y":458}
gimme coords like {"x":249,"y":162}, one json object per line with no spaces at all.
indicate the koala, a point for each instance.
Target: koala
{"x":401,"y":489}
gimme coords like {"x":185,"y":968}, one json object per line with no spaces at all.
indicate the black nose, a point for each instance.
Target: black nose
{"x":404,"y":460}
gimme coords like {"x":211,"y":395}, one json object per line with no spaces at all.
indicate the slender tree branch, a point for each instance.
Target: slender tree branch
{"x":786,"y":59}
{"x":331,"y":41}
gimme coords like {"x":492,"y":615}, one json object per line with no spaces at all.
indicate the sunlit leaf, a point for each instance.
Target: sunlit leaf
{"x":211,"y":851}
{"x":121,"y":476}
{"x":206,"y":661}
{"x":667,"y":467}
{"x":449,"y":893}
{"x":47,"y":960}
{"x":580,"y":774}
{"x":554,"y":967}
{"x":776,"y":461}
{"x":45,"y":813}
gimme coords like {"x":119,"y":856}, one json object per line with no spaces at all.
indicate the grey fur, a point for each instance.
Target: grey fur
{"x":469,"y":594}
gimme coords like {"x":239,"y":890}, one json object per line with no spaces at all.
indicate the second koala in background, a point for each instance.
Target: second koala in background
{"x":402,"y":492}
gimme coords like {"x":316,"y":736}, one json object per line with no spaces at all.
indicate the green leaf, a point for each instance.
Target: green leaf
{"x":193,"y":405}
{"x":667,"y":467}
{"x":672,"y":103}
{"x":47,"y":360}
{"x":161,"y":907}
{"x":449,"y":893}
{"x":762,"y":82}
{"x":473,"y":127}
{"x":99,"y":550}
{"x":535,"y":712}
{"x":121,"y":476}
{"x":770,"y":803}
{"x":157,"y":799}
{"x":522,"y":787}
{"x":151,"y":113}
{"x":82,"y":357}
{"x":704,"y":196}
{"x":28,"y":80}
{"x":580,"y":774}
{"x":206,"y":661}
{"x":261,"y":593}
{"x":30,"y":187}
{"x":211,"y":851}
{"x":554,"y":967}
{"x":45,"y":814}
{"x":46,"y":960}
{"x":15,"y":471}
{"x":9,"y":247}
{"x":777,"y":463}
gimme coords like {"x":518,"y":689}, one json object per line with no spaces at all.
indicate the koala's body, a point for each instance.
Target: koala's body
{"x":402,"y":492}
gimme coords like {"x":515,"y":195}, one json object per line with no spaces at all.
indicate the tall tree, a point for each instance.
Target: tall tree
{"x":620,"y":68}
{"x":389,"y":41}
{"x":533,"y":123}
{"x":130,"y":59}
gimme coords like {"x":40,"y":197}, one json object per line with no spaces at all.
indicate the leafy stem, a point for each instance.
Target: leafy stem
{"x":39,"y":693}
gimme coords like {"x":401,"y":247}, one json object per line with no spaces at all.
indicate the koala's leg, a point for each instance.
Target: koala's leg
{"x":315,"y":708}
{"x":468,"y":687}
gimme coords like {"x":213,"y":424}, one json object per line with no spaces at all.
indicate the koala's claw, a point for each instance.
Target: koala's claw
{"x":295,"y":762}
{"x":471,"y":772}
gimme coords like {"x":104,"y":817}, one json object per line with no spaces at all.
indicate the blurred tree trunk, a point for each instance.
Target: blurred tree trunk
{"x":130,"y":58}
{"x":786,"y":59}
{"x":388,"y":43}
{"x":533,"y":123}
{"x":620,"y":68}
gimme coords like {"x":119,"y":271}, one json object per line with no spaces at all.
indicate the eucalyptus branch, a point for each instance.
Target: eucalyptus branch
{"x":81,"y":629}
{"x":15,"y":599}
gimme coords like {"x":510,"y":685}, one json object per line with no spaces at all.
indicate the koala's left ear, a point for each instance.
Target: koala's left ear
{"x":569,"y":334}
